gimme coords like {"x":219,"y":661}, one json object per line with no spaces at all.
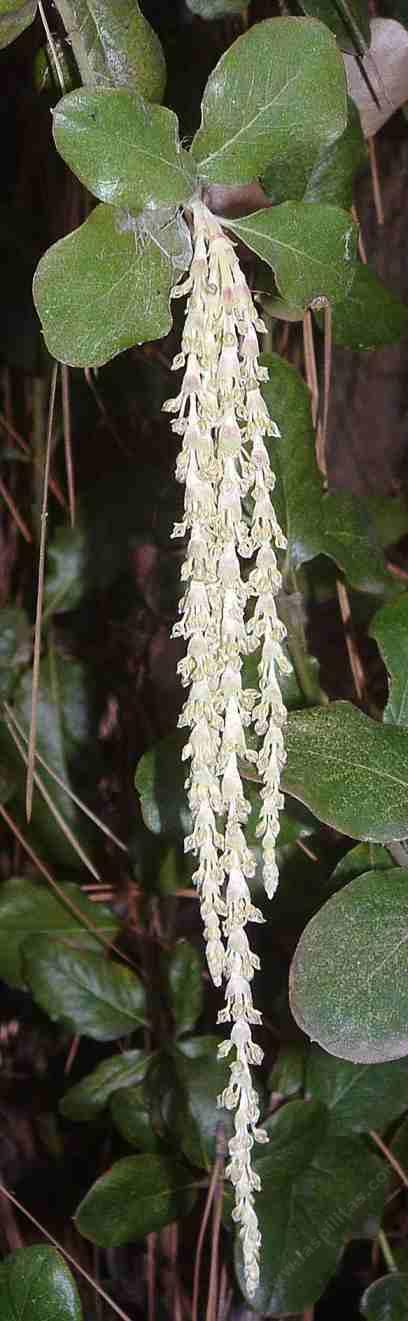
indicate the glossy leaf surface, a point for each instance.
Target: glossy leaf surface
{"x":315,"y":1191}
{"x":87,"y":1098}
{"x":28,"y":908}
{"x":36,"y":1285}
{"x":91,"y":995}
{"x":139,"y":1195}
{"x":185,"y":986}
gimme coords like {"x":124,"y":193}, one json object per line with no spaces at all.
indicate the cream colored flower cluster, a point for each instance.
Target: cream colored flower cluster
{"x":225,"y":614}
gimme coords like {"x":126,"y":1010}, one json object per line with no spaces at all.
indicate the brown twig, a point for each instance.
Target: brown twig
{"x":216,"y":1171}
{"x":389,"y":1156}
{"x":356,"y":665}
{"x":66,"y":422}
{"x":212,"y":1309}
{"x":361,"y":245}
{"x":40,"y":593}
{"x":310,"y":364}
{"x":151,"y":1276}
{"x":11,"y":1198}
{"x":41,"y":867}
{"x":15,"y":513}
{"x":24,"y":446}
{"x":375,"y":178}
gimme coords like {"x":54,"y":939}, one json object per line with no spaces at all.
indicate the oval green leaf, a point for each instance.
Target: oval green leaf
{"x":185,"y":986}
{"x":315,"y":1191}
{"x":348,"y":19}
{"x":29,"y":909}
{"x":36,"y":1285}
{"x":131,"y":1114}
{"x":102,"y":289}
{"x":370,"y":316}
{"x":387,"y":1299}
{"x":65,"y":579}
{"x":390,"y":630}
{"x":114,"y":45}
{"x":358,"y":1096}
{"x":138,"y":1196}
{"x":124,"y":150}
{"x":349,"y":975}
{"x":88,"y":1097}
{"x":316,"y":521}
{"x":15,"y":17}
{"x":89,"y":994}
{"x":310,"y":247}
{"x":274,"y":99}
{"x":349,"y":770}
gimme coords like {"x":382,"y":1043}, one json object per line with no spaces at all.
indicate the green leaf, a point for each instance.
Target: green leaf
{"x":390,"y":630}
{"x":370,"y":315}
{"x":333,"y":174}
{"x":131,"y":1114}
{"x":348,"y":980}
{"x":139,"y":1195}
{"x":15,"y":17}
{"x":62,"y":732}
{"x":102,"y":289}
{"x":210,"y":9}
{"x":311,"y":248}
{"x":315,"y":1191}
{"x":386,"y":1299}
{"x":15,"y":647}
{"x":65,"y":579}
{"x":316,"y":522}
{"x":185,"y":986}
{"x":93,"y":1093}
{"x":275,"y":98}
{"x":359,"y":860}
{"x":390,"y":516}
{"x":191,"y":1110}
{"x":159,"y":781}
{"x":36,"y":1285}
{"x":89,"y":994}
{"x":114,"y":45}
{"x":28,"y":909}
{"x":349,"y":770}
{"x":358,"y":1096}
{"x":287,"y":1075}
{"x":124,"y":150}
{"x":348,"y":19}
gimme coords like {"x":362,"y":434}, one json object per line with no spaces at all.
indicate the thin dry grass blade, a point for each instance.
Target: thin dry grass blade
{"x":72,"y":1261}
{"x":72,"y":908}
{"x":40,"y":594}
{"x":58,"y":817}
{"x":15,"y":514}
{"x":66,"y":421}
{"x":12,"y":718}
